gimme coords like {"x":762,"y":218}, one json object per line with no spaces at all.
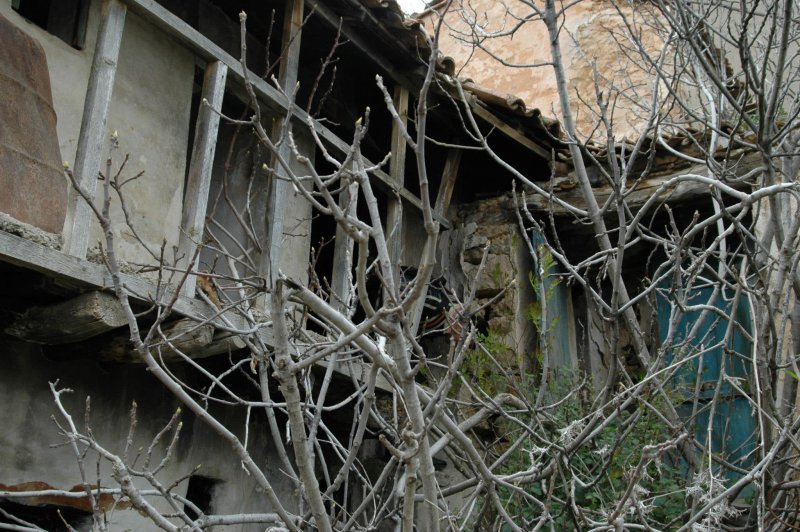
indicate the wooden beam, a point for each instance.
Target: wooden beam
{"x":186,"y":335}
{"x":195,"y":198}
{"x":566,"y":190}
{"x":160,"y":17}
{"x":223,"y":342}
{"x":281,"y":186}
{"x":77,"y":319}
{"x":448,"y":183}
{"x":397,"y":169}
{"x":509,"y":131}
{"x":92,"y":136}
{"x":81,"y":273}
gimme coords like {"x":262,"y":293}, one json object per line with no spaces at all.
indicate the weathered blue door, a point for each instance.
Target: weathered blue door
{"x":553,"y":312}
{"x":700,"y":339}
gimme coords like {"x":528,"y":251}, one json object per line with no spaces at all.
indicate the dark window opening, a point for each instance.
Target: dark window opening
{"x":46,"y":516}
{"x":200,"y":493}
{"x":66,"y":19}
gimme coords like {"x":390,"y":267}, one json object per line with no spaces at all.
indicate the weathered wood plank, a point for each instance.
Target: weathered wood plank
{"x":186,"y":335}
{"x":92,"y":135}
{"x":397,"y":170}
{"x":76,"y":319}
{"x":276,"y":101}
{"x":195,"y":198}
{"x":223,"y":342}
{"x":281,"y":186}
{"x":448,"y":183}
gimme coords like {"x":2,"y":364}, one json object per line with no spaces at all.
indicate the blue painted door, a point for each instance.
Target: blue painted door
{"x":553,"y":312}
{"x":729,"y":422}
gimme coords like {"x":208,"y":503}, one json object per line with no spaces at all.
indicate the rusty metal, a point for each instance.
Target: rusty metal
{"x":33,"y":188}
{"x":38,"y":493}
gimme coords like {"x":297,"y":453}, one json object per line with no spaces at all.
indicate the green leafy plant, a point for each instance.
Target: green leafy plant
{"x":598,"y":473}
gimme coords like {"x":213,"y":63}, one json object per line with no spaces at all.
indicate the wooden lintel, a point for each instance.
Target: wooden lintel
{"x":92,"y":136}
{"x":509,"y":131}
{"x":77,"y":319}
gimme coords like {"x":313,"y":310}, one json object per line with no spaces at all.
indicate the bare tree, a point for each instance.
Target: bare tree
{"x":711,"y":87}
{"x":692,"y":422}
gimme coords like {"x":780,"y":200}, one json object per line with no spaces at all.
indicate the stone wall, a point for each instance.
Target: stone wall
{"x":502,"y":287}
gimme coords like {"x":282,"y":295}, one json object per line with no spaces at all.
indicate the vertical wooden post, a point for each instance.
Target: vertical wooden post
{"x":341,"y":277}
{"x":93,"y":126}
{"x":448,"y":183}
{"x":449,"y":175}
{"x":281,"y":187}
{"x":397,"y":170}
{"x":198,"y":184}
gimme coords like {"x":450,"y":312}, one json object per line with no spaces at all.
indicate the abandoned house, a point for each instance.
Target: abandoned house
{"x":150,"y":83}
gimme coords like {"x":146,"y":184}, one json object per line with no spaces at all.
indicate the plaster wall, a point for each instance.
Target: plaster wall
{"x":150,"y":111}
{"x":239,"y":191}
{"x":28,"y":432}
{"x":588,"y":38}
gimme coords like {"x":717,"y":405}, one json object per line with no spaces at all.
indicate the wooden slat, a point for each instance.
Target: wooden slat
{"x":91,"y":140}
{"x":281,"y":187}
{"x":394,"y":208}
{"x":195,"y":199}
{"x":76,"y":319}
{"x":160,"y":17}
